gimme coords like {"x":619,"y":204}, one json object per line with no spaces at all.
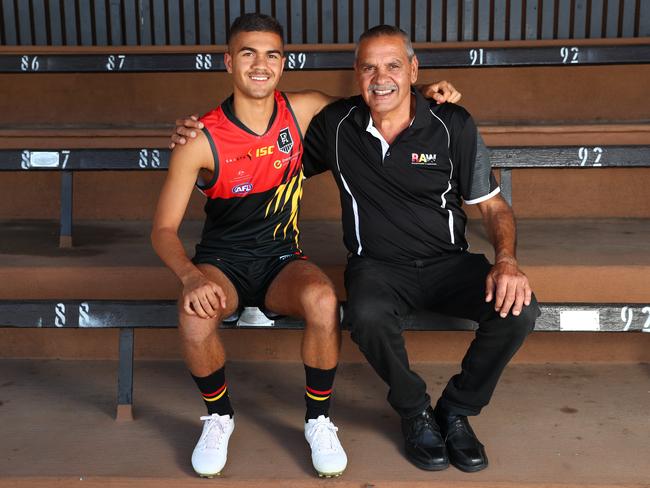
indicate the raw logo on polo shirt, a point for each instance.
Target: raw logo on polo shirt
{"x":423,"y":159}
{"x":285,"y":142}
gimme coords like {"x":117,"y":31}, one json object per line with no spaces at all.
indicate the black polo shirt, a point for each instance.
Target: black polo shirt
{"x":401,"y":202}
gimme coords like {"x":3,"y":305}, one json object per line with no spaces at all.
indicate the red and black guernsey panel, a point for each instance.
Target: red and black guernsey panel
{"x":254,"y":194}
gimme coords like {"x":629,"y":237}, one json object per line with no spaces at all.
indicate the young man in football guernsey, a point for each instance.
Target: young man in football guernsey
{"x":404,"y":167}
{"x":247,"y":162}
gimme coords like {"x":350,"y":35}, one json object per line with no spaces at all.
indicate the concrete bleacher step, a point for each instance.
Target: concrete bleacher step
{"x":548,"y":426}
{"x":567,"y":261}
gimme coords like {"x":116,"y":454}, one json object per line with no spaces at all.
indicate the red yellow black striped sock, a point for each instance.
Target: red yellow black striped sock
{"x":318,"y":391}
{"x":214,"y":391}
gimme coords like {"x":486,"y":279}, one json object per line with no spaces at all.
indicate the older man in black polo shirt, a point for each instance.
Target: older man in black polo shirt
{"x":404,"y":166}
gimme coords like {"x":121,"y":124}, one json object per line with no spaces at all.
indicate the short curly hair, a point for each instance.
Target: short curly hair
{"x":254,"y":22}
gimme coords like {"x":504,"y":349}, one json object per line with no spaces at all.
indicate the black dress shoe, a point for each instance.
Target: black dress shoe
{"x":465,"y":451}
{"x":424,"y":444}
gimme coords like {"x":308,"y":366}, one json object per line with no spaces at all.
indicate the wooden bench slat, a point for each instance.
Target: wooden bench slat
{"x":156,"y":158}
{"x":89,"y":314}
{"x":299,"y":60}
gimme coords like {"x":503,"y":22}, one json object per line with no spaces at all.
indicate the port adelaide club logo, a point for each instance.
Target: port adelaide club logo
{"x":285,"y":142}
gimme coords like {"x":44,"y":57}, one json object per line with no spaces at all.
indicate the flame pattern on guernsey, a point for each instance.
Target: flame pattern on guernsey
{"x":292,"y":192}
{"x":253,"y":196}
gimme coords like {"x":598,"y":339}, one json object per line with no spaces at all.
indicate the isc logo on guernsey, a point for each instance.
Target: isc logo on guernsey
{"x":242,"y":188}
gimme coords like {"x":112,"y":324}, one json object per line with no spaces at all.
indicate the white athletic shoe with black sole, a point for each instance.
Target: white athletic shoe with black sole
{"x":210,"y":454}
{"x":327,"y":454}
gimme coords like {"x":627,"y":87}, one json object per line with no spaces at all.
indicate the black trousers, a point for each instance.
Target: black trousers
{"x":380,"y":293}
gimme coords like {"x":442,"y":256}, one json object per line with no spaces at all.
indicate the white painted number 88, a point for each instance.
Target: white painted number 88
{"x":203,"y":61}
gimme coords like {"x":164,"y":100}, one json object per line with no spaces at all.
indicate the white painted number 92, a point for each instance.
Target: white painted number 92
{"x":627,"y":316}
{"x":570,"y":55}
{"x":583,"y":155}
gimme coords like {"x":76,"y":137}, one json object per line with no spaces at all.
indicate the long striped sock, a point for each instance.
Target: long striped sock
{"x":214,"y":390}
{"x":318,"y":391}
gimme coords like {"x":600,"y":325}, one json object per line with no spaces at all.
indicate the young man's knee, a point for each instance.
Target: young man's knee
{"x":194,"y":328}
{"x":320,"y":299}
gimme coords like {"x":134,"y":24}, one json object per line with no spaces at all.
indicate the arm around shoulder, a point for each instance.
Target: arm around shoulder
{"x":306,"y":104}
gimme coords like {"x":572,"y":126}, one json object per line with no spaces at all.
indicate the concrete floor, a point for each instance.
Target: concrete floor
{"x":547,"y":426}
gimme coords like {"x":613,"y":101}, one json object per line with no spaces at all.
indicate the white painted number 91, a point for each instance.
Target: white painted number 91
{"x":476,"y":56}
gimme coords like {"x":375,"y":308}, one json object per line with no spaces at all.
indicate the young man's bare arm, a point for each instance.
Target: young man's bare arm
{"x":200,"y":296}
{"x":306,"y":104}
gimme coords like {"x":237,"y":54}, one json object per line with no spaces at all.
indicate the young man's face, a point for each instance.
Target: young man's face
{"x":256,"y":61}
{"x":384,"y":73}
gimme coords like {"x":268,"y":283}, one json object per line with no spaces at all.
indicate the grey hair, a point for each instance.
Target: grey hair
{"x":386,"y":30}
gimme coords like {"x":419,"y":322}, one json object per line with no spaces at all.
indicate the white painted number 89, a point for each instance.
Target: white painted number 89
{"x":296,"y":61}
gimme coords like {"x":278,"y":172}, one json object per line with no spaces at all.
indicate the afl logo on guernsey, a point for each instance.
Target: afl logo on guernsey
{"x":242,"y":188}
{"x":285,"y":142}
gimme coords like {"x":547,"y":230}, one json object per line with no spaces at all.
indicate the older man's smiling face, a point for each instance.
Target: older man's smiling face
{"x":384,"y":73}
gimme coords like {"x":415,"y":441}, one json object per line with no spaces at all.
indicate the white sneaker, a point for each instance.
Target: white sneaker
{"x":210,"y":454}
{"x":327,"y":454}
